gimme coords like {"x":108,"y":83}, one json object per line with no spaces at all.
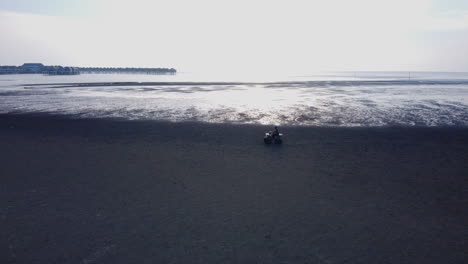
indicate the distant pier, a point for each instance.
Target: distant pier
{"x":128,"y":70}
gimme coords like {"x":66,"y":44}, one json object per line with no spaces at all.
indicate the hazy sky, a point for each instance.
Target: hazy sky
{"x":216,"y":35}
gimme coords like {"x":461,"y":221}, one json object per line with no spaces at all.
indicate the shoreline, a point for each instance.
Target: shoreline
{"x":42,"y":124}
{"x":312,"y":83}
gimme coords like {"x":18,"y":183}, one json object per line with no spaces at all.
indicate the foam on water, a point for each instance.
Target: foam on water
{"x":338,"y":101}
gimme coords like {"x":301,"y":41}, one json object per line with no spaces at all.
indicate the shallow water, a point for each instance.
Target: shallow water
{"x":330,"y":99}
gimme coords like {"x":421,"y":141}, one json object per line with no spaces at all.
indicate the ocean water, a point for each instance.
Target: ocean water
{"x":319,"y":99}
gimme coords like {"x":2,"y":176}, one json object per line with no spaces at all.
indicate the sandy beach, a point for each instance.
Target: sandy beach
{"x":114,"y":191}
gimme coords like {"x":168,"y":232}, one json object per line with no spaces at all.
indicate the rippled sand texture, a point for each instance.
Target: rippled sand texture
{"x":316,"y":103}
{"x":100,"y":191}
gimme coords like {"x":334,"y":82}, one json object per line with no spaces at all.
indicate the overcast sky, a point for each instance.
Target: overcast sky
{"x":216,"y":35}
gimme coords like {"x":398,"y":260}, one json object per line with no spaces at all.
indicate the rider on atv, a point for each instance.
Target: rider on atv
{"x":275,"y":132}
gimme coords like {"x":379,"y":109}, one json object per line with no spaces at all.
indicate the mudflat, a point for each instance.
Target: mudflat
{"x":114,"y":191}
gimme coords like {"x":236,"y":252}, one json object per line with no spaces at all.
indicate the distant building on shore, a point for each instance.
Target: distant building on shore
{"x":59,"y":70}
{"x":33,"y":68}
{"x":39,"y":68}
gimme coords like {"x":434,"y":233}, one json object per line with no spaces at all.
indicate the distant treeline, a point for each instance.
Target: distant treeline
{"x":39,"y":68}
{"x":127,"y":70}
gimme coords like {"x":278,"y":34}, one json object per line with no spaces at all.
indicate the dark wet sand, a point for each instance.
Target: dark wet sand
{"x":103,"y":191}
